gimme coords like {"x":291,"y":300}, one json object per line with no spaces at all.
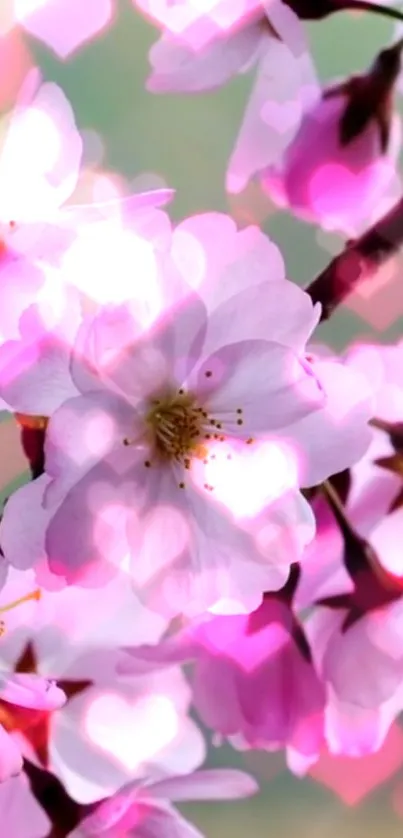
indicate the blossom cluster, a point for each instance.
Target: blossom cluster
{"x":208,"y":546}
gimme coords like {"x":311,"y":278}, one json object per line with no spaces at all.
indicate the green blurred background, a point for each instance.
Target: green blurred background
{"x":186,"y":141}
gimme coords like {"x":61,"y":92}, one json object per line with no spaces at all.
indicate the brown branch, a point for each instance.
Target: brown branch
{"x":358,"y":262}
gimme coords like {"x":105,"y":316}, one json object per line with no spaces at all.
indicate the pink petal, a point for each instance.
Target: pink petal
{"x":32,"y":691}
{"x":337,"y":436}
{"x":284,"y":80}
{"x":259,"y":310}
{"x":224,"y":260}
{"x":141,"y":659}
{"x":34,"y":370}
{"x":34,"y":185}
{"x":83,"y":430}
{"x":213,"y":784}
{"x":23,"y":525}
{"x":144,"y":819}
{"x":177,"y":67}
{"x":85,"y":538}
{"x":135,"y":365}
{"x":264,"y":379}
{"x":11,"y":763}
{"x":64,"y":25}
{"x":196,"y":26}
{"x":22,"y":816}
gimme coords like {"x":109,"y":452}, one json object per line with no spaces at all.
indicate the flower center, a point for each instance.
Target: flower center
{"x":177,"y":429}
{"x":177,"y":426}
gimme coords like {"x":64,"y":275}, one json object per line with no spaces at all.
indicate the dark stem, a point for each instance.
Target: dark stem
{"x":366,"y":6}
{"x":33,"y":441}
{"x":358,"y":262}
{"x":320,"y":9}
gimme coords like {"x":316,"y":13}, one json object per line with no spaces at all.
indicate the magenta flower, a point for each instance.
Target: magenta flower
{"x":145,"y":809}
{"x":253,"y":679}
{"x":343,"y":157}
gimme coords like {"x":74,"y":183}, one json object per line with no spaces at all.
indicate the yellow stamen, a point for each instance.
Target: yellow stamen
{"x":33,"y":595}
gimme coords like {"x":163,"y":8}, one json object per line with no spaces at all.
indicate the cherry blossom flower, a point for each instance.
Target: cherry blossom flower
{"x":335,"y":171}
{"x":111,"y":729}
{"x":362,"y":702}
{"x":145,"y":809}
{"x":179,"y":401}
{"x":63,"y":25}
{"x":253,"y":679}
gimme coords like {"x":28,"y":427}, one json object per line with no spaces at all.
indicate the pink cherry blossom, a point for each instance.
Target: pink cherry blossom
{"x":63,"y":25}
{"x":253,"y":679}
{"x":145,"y":810}
{"x":110,"y":729}
{"x":362,"y":701}
{"x":327,"y":183}
{"x":127,"y":356}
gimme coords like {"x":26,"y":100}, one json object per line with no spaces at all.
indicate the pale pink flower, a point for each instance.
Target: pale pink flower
{"x":223,"y":545}
{"x":64,"y":25}
{"x":111,"y":729}
{"x":253,"y":679}
{"x":144,"y":809}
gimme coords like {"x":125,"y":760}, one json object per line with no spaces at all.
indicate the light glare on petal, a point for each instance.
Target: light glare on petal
{"x":189,"y":257}
{"x":111,"y":265}
{"x":132,"y":732}
{"x":247,"y":480}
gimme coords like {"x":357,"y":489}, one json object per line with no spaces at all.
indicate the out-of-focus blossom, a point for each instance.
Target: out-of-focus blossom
{"x":341,"y":161}
{"x":39,"y":167}
{"x":111,"y":729}
{"x":180,"y":410}
{"x":362,"y":701}
{"x":196,"y":26}
{"x":253,"y":682}
{"x":21,"y":814}
{"x":41,"y":289}
{"x":202,"y":47}
{"x":144,"y":809}
{"x":22,"y":690}
{"x":64,"y":25}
